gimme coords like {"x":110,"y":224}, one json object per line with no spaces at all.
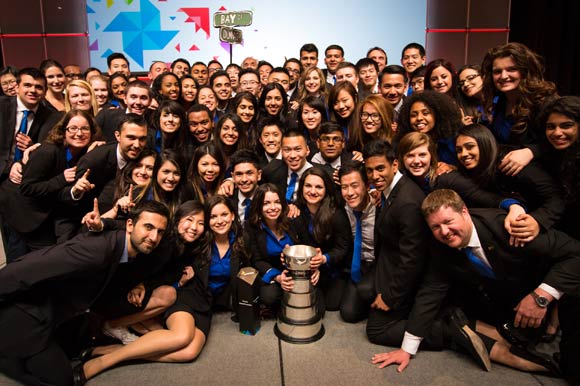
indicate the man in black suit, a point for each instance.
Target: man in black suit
{"x":401,"y":249}
{"x":137,"y":99}
{"x":286,"y":173}
{"x":42,"y":290}
{"x":493,"y":279}
{"x":97,"y":168}
{"x":246,"y":173}
{"x":16,"y":136}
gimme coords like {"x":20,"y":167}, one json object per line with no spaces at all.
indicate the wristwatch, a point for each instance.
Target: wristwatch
{"x":541,"y":301}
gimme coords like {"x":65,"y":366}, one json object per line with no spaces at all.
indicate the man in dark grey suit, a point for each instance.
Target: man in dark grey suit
{"x":493,"y":279}
{"x":42,"y":290}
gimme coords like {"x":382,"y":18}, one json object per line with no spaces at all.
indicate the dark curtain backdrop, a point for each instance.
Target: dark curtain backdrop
{"x":552,"y":29}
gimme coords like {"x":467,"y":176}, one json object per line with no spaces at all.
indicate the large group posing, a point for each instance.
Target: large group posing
{"x":442,"y":204}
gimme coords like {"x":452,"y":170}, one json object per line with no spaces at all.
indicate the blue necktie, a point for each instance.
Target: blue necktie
{"x":23,"y":126}
{"x":356,"y":256}
{"x":291,"y":186}
{"x":333,"y":79}
{"x":247,"y":203}
{"x":478,"y":264}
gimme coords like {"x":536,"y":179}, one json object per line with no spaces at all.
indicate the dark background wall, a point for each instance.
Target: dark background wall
{"x":552,"y":29}
{"x":33,"y":30}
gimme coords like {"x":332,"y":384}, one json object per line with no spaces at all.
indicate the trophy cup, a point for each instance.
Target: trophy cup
{"x":299,"y":320}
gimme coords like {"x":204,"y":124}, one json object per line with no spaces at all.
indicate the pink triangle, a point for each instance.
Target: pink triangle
{"x":216,"y":58}
{"x":178,"y":47}
{"x":222,"y":8}
{"x":194,"y":48}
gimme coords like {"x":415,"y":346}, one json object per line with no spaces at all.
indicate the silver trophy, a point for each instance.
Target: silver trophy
{"x":299,"y":320}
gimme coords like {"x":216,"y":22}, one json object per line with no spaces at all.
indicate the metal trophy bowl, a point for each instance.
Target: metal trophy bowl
{"x":299,"y":320}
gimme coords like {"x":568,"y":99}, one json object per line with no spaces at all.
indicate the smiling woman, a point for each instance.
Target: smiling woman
{"x":80,"y":96}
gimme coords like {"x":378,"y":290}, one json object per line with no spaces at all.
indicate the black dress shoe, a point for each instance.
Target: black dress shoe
{"x":537,"y":357}
{"x":463,"y":336}
{"x":79,"y":378}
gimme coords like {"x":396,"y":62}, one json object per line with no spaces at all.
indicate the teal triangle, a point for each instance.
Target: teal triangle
{"x":97,"y":26}
{"x":172,"y":17}
{"x":90,"y":10}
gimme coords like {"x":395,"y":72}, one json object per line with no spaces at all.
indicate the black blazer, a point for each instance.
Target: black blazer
{"x":401,"y":244}
{"x":338,"y":246}
{"x":552,"y":258}
{"x":41,"y":191}
{"x":71,"y":275}
{"x":256,"y":246}
{"x":102,"y":162}
{"x":8,"y":110}
{"x":276,"y":172}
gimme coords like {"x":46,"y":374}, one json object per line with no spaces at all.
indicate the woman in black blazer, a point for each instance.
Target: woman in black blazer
{"x":479,"y":157}
{"x":34,"y":209}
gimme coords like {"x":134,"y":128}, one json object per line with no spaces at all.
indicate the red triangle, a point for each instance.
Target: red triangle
{"x":178,"y":47}
{"x":222,"y":8}
{"x":194,"y":48}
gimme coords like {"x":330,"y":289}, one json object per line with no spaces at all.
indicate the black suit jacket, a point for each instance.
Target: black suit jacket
{"x":8,"y":110}
{"x":102,"y":162}
{"x":255,"y":239}
{"x":54,"y":284}
{"x":401,"y":246}
{"x":276,"y":172}
{"x":41,"y":191}
{"x":552,"y":258}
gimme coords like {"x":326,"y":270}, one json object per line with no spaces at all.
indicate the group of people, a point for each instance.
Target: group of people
{"x":441,"y":203}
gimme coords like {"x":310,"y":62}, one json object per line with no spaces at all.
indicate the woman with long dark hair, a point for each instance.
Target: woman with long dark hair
{"x":170,"y":124}
{"x":205,"y":174}
{"x":342,"y":102}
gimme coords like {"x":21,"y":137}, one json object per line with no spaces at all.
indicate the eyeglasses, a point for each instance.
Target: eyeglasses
{"x":331,"y":139}
{"x":468,"y":78}
{"x":249,"y":83}
{"x":374,"y":116}
{"x":75,"y":129}
{"x":293,"y":70}
{"x":7,"y":83}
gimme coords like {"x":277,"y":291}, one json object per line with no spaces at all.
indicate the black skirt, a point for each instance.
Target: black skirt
{"x":195,"y":299}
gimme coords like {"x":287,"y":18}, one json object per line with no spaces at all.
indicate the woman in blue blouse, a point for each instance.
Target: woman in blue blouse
{"x":268,"y":234}
{"x":323,"y":224}
{"x":227,"y":251}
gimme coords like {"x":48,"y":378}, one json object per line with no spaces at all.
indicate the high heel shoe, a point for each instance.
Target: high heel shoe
{"x":86,"y":354}
{"x":79,"y":377}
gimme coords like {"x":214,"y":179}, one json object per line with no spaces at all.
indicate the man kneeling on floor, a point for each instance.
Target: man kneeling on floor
{"x":492,"y":280}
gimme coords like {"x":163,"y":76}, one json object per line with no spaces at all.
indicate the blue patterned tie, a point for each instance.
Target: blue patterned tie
{"x":291,"y":186}
{"x":247,"y":203}
{"x":18,"y":154}
{"x":356,"y":256}
{"x":478,"y":264}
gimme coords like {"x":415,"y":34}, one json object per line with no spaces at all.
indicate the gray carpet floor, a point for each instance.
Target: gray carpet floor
{"x":341,"y":358}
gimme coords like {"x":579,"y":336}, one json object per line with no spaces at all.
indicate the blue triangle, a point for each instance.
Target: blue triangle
{"x":125,"y":21}
{"x":172,"y":17}
{"x":90,"y":10}
{"x":150,"y":16}
{"x":157,"y":40}
{"x":107,"y":53}
{"x":133,"y":46}
{"x":97,"y":26}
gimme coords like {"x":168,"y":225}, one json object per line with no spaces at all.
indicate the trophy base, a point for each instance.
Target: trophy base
{"x":299,"y":334}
